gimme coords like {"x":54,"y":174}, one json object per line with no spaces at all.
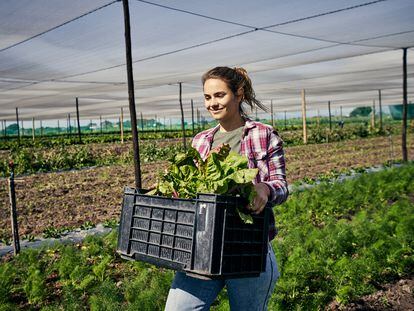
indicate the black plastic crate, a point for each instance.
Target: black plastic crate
{"x":202,"y":236}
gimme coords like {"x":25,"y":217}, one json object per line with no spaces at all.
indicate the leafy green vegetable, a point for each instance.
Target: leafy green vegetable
{"x":223,"y":172}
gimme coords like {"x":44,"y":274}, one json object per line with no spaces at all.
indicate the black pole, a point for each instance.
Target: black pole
{"x":131,"y":95}
{"x":330,"y":116}
{"x":100,"y":122}
{"x":13,"y":211}
{"x":380,"y":109}
{"x":77,"y":117}
{"x":198,"y":120}
{"x":405,"y":106}
{"x":18,"y":127}
{"x":70,"y":125}
{"x":192,"y":116}
{"x":182,"y":116}
{"x":271,"y":112}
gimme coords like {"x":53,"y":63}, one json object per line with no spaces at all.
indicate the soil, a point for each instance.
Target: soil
{"x":71,"y":198}
{"x":396,"y":296}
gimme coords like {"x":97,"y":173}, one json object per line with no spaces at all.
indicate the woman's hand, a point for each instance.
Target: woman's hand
{"x":261,"y":198}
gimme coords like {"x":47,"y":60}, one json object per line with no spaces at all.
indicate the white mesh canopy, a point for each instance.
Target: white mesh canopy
{"x":340,"y":51}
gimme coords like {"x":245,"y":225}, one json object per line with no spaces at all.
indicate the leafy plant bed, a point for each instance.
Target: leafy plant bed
{"x":342,"y":241}
{"x":336,"y":243}
{"x":95,"y":194}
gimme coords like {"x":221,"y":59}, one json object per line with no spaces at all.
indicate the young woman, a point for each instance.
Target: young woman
{"x":226,"y":90}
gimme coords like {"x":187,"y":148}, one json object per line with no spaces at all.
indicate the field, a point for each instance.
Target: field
{"x":337,"y":243}
{"x":91,"y":276}
{"x":62,"y":200}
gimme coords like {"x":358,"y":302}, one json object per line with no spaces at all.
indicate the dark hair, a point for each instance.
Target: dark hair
{"x":236,"y":78}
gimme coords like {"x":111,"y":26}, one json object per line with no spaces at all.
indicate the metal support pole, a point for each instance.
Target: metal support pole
{"x":271,"y":113}
{"x":373,"y":115}
{"x":131,"y":95}
{"x":77,"y":117}
{"x":380,"y":109}
{"x":100,"y":122}
{"x":330,"y":116}
{"x":305,"y":132}
{"x":122,"y":125}
{"x":182,"y":116}
{"x":70,"y":126}
{"x":17,"y":123}
{"x":192,"y":116}
{"x":405,"y":109}
{"x":13,"y":211}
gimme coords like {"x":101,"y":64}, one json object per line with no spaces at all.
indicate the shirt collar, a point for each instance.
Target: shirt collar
{"x":249,"y":124}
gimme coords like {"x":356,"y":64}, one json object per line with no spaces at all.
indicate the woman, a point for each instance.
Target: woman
{"x":225,"y":91}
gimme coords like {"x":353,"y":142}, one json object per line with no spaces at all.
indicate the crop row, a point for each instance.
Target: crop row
{"x":335,"y":242}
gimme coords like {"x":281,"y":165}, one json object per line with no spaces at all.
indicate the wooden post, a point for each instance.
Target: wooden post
{"x":330,"y":116}
{"x":192,"y":116}
{"x":122,"y":125}
{"x":182,"y":116}
{"x":373,"y":115}
{"x":305,"y":132}
{"x":13,"y":211}
{"x":131,"y":95}
{"x":318,"y":121}
{"x":405,"y":109}
{"x":271,"y":113}
{"x":33,"y":129}
{"x":18,"y":127}
{"x":380,"y":109}
{"x":77,"y":117}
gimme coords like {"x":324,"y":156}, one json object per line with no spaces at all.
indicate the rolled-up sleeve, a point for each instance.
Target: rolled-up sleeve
{"x":277,"y":171}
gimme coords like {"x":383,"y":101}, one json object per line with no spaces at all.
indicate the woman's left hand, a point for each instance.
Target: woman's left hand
{"x":261,"y":198}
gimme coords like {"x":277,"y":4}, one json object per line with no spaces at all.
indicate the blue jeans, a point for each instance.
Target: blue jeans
{"x":188,"y":293}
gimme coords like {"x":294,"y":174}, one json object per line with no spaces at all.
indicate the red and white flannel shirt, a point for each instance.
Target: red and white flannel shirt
{"x":263,"y":147}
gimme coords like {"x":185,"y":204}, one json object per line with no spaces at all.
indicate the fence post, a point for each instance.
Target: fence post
{"x":122,"y":125}
{"x":380,"y":109}
{"x":18,"y":127}
{"x":33,"y":129}
{"x":77,"y":117}
{"x":13,"y":211}
{"x":182,"y":117}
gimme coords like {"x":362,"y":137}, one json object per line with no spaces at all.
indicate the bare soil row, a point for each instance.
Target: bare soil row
{"x":74,"y":197}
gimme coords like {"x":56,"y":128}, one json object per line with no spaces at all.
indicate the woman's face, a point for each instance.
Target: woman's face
{"x":220,"y":101}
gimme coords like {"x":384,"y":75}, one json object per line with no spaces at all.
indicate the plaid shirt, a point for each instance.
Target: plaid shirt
{"x":263,"y":147}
